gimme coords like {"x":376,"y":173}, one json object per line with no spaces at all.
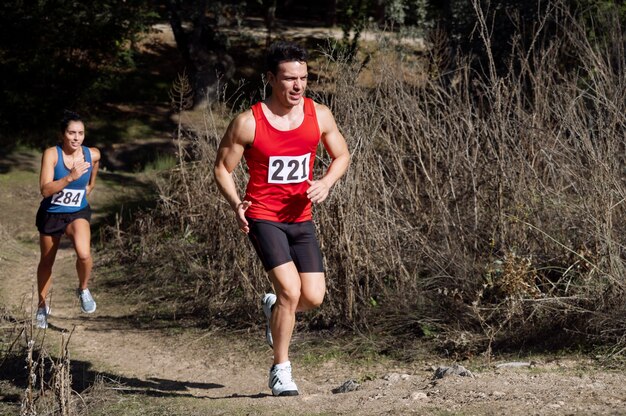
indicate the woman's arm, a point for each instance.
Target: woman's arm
{"x":95,"y":162}
{"x":47,"y":185}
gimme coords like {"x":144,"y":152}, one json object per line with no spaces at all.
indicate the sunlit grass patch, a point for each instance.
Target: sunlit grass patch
{"x":162,"y":162}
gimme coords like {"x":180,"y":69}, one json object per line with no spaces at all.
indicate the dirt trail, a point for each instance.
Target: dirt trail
{"x":209,"y":366}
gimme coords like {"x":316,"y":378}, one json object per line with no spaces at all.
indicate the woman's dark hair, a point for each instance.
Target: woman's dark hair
{"x":282,"y":51}
{"x":69,"y":116}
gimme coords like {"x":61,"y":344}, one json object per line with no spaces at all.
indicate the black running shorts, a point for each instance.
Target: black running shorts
{"x":54,"y":224}
{"x":278,"y":243}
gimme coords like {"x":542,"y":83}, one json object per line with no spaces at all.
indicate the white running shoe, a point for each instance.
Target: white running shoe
{"x":42,"y":317}
{"x":281,"y":382}
{"x":87,"y":304}
{"x":268,"y":301}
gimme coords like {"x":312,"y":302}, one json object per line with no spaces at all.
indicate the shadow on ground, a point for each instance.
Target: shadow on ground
{"x":18,"y":160}
{"x":136,"y":156}
{"x":83,"y":377}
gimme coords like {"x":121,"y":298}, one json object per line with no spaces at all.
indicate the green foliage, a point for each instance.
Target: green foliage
{"x":56,"y":54}
{"x":162,"y":162}
{"x":598,"y":16}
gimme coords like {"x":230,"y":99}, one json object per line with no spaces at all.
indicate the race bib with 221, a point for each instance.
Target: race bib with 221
{"x":68,"y":197}
{"x":288,"y":169}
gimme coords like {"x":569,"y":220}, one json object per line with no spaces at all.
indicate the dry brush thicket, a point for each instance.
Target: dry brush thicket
{"x":37,"y":380}
{"x":485,"y":209}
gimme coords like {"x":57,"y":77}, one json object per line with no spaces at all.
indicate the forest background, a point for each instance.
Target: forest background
{"x":484,"y":207}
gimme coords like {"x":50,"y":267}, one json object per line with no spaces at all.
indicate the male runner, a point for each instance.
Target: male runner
{"x":279,"y":138}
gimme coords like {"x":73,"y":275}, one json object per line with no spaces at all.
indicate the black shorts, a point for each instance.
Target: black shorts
{"x":278,"y":243}
{"x":54,"y":224}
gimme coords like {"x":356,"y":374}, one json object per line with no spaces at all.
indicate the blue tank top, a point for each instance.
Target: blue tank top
{"x":73,"y":197}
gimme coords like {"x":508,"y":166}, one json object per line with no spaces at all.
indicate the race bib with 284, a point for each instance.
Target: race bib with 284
{"x":69,"y":197}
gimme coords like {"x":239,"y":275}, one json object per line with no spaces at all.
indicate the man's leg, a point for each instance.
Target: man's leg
{"x":287,"y":284}
{"x":295,"y":292}
{"x":313,"y":289}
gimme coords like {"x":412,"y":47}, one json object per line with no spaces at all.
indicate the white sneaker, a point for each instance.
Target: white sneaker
{"x":268,"y":301}
{"x":42,"y":317}
{"x":281,"y":382}
{"x":87,"y":304}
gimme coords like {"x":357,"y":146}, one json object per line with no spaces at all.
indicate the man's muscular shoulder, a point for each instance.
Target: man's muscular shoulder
{"x":241,"y":129}
{"x":325,"y":118}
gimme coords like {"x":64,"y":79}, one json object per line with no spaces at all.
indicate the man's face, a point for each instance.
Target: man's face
{"x":289,"y":82}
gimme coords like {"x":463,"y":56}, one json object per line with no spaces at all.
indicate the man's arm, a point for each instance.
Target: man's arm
{"x":336,"y":146}
{"x":239,"y":134}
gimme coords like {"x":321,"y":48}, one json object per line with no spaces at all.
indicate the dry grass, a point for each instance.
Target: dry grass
{"x":42,"y":379}
{"x":484,"y":210}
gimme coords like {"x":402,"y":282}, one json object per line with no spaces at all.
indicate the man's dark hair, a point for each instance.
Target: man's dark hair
{"x":69,"y":116}
{"x":282,"y":51}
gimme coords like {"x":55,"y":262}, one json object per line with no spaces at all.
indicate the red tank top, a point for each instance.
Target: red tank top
{"x":279,"y":163}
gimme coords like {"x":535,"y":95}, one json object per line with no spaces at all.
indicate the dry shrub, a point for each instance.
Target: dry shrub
{"x":44,"y":382}
{"x":485,"y":209}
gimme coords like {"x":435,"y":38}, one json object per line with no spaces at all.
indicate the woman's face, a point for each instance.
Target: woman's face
{"x":74,"y":135}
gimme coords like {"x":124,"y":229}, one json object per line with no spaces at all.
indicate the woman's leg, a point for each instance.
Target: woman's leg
{"x":79,"y":232}
{"x":48,"y":246}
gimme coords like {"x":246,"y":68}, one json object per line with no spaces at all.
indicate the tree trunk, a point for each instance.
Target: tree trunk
{"x":180,"y":36}
{"x":331,"y":16}
{"x":270,"y":21}
{"x":204,"y":57}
